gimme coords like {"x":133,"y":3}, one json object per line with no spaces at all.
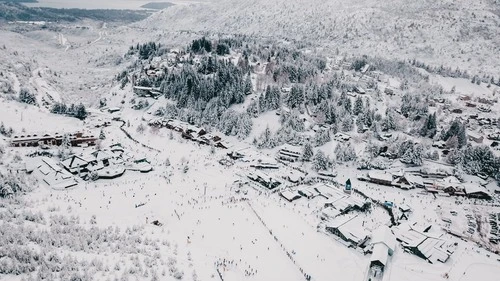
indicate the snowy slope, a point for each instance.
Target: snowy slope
{"x":453,"y":33}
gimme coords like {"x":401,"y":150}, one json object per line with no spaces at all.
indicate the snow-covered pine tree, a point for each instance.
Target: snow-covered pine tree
{"x":307,"y":152}
{"x":358,"y":106}
{"x":320,"y":161}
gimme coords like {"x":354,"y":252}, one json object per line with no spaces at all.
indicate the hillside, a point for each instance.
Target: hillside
{"x":452,"y":33}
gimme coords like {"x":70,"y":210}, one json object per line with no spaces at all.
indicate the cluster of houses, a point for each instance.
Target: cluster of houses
{"x":289,"y":153}
{"x":48,"y":171}
{"x":99,"y":164}
{"x":430,"y":246}
{"x":264,"y":179}
{"x":142,"y":91}
{"x":78,"y":139}
{"x":432,"y":183}
{"x":107,"y":163}
{"x":190,"y":132}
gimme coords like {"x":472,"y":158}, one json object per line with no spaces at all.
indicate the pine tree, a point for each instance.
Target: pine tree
{"x":102,"y":136}
{"x":358,"y":106}
{"x":320,"y":161}
{"x":307,"y":152}
{"x":461,"y":136}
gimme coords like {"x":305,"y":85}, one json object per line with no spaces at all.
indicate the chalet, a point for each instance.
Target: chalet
{"x":264,"y":179}
{"x":264,"y":165}
{"x":427,"y":247}
{"x":359,"y":90}
{"x":409,"y":181}
{"x":470,"y":104}
{"x":349,"y":229}
{"x":342,"y":137}
{"x":472,"y":136}
{"x":176,"y":125}
{"x":289,"y":195}
{"x":464,"y":97}
{"x":439,"y":144}
{"x":327,"y":175}
{"x":347,"y":204}
{"x":235,"y":155}
{"x":380,"y":178}
{"x":308,"y":192}
{"x":113,"y":109}
{"x":196,"y":130}
{"x":146,"y":91}
{"x":75,"y":164}
{"x":52,"y":174}
{"x":457,"y":110}
{"x":384,"y":244}
{"x":295,"y":177}
{"x":405,"y":211}
{"x":474,"y":190}
{"x":329,"y":213}
{"x":76,"y":139}
{"x":289,"y":153}
{"x":223,"y":145}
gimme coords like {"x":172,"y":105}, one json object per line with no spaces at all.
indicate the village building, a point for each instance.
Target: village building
{"x":347,"y":204}
{"x":350,"y":229}
{"x":342,"y":137}
{"x":404,"y":211}
{"x":409,"y":181}
{"x":359,"y":90}
{"x":146,"y":91}
{"x":289,"y":153}
{"x":380,"y":178}
{"x":113,"y":109}
{"x":329,"y":213}
{"x":474,"y":190}
{"x":384,"y":244}
{"x":290,"y":195}
{"x":49,"y":172}
{"x":75,"y":164}
{"x":35,"y":140}
{"x":264,"y":179}
{"x":477,"y":138}
{"x":223,"y":145}
{"x":308,"y":192}
{"x":424,"y":245}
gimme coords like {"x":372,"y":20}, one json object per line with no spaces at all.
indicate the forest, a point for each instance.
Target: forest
{"x":209,"y":76}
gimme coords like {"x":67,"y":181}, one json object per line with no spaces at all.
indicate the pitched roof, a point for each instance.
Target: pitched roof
{"x":384,"y":235}
{"x":380,"y":176}
{"x":380,"y":254}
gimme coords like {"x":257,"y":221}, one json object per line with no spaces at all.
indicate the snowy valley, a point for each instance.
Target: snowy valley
{"x":265,"y":140}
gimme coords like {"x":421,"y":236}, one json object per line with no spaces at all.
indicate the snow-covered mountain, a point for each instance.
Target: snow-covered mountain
{"x":454,"y":33}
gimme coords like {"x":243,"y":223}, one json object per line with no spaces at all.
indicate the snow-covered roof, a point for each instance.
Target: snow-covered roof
{"x":52,"y":174}
{"x":101,"y":155}
{"x":290,"y":195}
{"x":328,"y":191}
{"x":380,"y":254}
{"x":450,"y":179}
{"x":74,"y":161}
{"x":350,"y":226}
{"x":413,"y":179}
{"x":330,"y":212}
{"x":380,"y":176}
{"x":384,"y":235}
{"x":471,"y":188}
